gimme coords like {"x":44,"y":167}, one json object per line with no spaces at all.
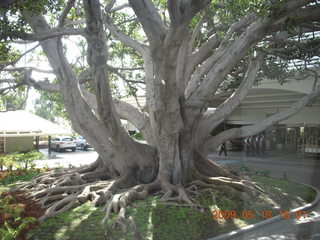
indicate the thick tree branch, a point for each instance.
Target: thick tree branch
{"x":196,"y":32}
{"x":127,"y":112}
{"x":118,"y":8}
{"x":97,"y":60}
{"x":11,"y":87}
{"x":181,"y":12}
{"x":22,"y":105}
{"x":55,"y":32}
{"x":150,"y":20}
{"x":122,"y":37}
{"x":229,"y":54}
{"x":189,"y":8}
{"x":7,"y":3}
{"x":310,"y":26}
{"x":206,"y":49}
{"x":7,"y":80}
{"x":203,"y":53}
{"x":257,"y":128}
{"x":237,"y":26}
{"x":84,"y":76}
{"x":137,"y":118}
{"x":307,"y":15}
{"x":288,"y":45}
{"x":110,"y":5}
{"x":174,"y":11}
{"x":23,"y":80}
{"x":201,"y":71}
{"x":82,"y":117}
{"x":124,"y":110}
{"x":211,"y":121}
{"x":65,"y":12}
{"x":40,"y":85}
{"x":21,"y":69}
{"x":73,"y":23}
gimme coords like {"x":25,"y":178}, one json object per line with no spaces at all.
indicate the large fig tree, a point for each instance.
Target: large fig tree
{"x":186,"y":52}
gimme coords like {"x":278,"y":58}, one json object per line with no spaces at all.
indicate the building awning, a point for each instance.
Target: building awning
{"x":22,"y":123}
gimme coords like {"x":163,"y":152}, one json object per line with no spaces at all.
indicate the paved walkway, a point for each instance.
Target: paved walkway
{"x":67,"y":159}
{"x":280,"y":165}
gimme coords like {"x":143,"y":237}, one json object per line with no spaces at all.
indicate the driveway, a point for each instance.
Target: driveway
{"x":67,"y":159}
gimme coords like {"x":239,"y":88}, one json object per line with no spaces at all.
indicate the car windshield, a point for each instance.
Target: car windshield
{"x":67,"y":139}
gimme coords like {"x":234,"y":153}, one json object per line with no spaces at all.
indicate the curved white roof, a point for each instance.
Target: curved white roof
{"x":23,"y":123}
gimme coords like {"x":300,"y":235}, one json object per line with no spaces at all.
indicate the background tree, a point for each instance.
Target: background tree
{"x":13,"y":93}
{"x":189,"y":52}
{"x":50,"y":106}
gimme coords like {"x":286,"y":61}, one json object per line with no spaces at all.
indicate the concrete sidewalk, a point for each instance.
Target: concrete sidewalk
{"x":280,"y":165}
{"x":290,"y":158}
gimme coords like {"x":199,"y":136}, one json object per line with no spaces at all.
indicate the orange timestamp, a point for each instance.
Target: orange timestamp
{"x":248,"y":214}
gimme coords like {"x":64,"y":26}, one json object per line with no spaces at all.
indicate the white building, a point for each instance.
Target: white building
{"x":19,"y":128}
{"x":267,"y":99}
{"x":270,"y":98}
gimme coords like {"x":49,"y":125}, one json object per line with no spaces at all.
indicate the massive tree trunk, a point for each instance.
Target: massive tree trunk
{"x":179,"y":86}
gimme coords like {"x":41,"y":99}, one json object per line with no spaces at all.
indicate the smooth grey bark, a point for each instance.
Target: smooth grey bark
{"x":210,"y":121}
{"x":180,"y":83}
{"x":118,"y":151}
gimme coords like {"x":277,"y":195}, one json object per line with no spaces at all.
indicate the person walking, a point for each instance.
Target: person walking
{"x":257,"y":145}
{"x":223,"y":149}
{"x":247,"y":145}
{"x":252,"y":146}
{"x":262,"y":144}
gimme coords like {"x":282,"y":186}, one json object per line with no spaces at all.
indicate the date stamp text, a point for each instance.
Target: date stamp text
{"x":231,"y":214}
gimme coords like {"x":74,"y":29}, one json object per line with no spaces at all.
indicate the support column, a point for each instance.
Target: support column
{"x":49,"y":145}
{"x":37,"y":143}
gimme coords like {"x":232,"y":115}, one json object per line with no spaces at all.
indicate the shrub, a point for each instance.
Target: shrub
{"x":7,"y":232}
{"x":19,"y":160}
{"x":29,"y":157}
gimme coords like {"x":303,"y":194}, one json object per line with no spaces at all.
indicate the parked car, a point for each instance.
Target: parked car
{"x":63,"y":143}
{"x":82,"y":143}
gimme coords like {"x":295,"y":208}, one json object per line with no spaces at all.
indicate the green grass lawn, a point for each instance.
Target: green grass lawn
{"x":159,"y":220}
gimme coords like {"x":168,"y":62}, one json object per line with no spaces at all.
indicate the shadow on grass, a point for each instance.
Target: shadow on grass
{"x":159,"y":220}
{"x":154,"y":220}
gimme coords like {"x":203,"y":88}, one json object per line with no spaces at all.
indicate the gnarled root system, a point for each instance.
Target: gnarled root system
{"x":63,"y":189}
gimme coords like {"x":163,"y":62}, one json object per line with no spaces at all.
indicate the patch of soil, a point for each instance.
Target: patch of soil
{"x":20,"y":200}
{"x":5,"y":173}
{"x":29,"y":208}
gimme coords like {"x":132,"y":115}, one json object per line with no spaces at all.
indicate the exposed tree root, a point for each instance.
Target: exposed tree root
{"x":61,"y":190}
{"x":209,"y":168}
